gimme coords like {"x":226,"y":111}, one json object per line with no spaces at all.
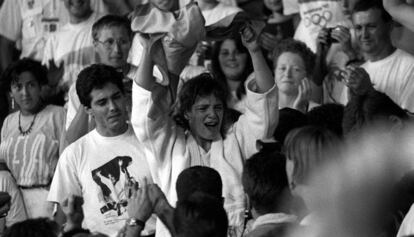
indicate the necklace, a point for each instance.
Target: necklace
{"x":24,"y":133}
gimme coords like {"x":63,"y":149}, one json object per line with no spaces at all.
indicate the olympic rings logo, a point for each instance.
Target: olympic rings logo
{"x":318,"y":19}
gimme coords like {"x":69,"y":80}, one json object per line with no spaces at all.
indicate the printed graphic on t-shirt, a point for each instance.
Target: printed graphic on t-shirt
{"x":113,"y":178}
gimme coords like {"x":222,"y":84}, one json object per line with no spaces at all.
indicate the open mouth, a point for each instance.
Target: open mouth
{"x":211,"y":124}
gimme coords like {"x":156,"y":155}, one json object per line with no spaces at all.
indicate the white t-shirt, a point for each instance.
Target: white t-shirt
{"x":316,"y":14}
{"x":17,"y":211}
{"x":32,"y":158}
{"x":407,"y":226}
{"x":394,"y":76}
{"x":97,"y":168}
{"x":29,"y":23}
{"x":72,"y":46}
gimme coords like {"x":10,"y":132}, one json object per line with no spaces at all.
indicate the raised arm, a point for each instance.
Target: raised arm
{"x":263,"y":74}
{"x":402,"y":11}
{"x":144,"y":76}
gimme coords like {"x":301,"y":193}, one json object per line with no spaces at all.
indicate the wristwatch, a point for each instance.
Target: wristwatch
{"x":135,"y":222}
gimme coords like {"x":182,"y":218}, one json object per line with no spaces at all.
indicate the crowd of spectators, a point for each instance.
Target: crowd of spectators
{"x":207,"y":118}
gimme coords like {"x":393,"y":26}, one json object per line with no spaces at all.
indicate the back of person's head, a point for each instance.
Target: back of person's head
{"x":366,"y":5}
{"x":198,"y":179}
{"x":329,"y":116}
{"x":289,"y":119}
{"x":295,"y":47}
{"x":96,"y":76}
{"x":365,"y":110}
{"x":200,"y":215}
{"x":40,"y":227}
{"x":11,"y":74}
{"x":198,"y":87}
{"x":265,"y":182}
{"x":110,"y":21}
{"x":309,"y":148}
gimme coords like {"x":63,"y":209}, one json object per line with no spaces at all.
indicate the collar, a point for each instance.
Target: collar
{"x":273,"y":218}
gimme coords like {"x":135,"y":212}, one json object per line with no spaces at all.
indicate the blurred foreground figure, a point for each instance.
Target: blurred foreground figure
{"x":354,"y":197}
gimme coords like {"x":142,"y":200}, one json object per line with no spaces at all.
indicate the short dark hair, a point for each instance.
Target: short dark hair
{"x":296,"y":47}
{"x":200,"y":215}
{"x":109,"y":21}
{"x":200,"y":86}
{"x":365,"y":5}
{"x":265,"y":181}
{"x":11,"y":74}
{"x":39,"y":227}
{"x":361,"y":110}
{"x":216,"y":69}
{"x":329,"y":116}
{"x":289,"y":119}
{"x":198,"y":178}
{"x":96,"y":76}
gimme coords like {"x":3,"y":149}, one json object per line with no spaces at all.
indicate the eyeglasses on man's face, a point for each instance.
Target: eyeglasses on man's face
{"x":110,"y":43}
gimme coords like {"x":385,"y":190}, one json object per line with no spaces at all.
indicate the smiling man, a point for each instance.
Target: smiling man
{"x":103,"y":163}
{"x":391,"y":69}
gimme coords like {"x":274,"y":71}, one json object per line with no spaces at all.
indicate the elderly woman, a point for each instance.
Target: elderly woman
{"x":30,"y":137}
{"x":232,"y":64}
{"x":293,"y":65}
{"x":195,"y":136}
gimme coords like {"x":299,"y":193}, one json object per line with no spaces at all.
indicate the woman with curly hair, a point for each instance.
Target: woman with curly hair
{"x":31,"y":137}
{"x":293,"y":64}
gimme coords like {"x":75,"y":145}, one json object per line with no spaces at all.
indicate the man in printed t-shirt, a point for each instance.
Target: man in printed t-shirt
{"x":103,"y":163}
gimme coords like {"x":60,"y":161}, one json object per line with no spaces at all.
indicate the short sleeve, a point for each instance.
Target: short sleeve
{"x":65,"y":180}
{"x":11,"y":20}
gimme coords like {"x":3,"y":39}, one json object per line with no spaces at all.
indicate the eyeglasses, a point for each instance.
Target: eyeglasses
{"x":110,"y":43}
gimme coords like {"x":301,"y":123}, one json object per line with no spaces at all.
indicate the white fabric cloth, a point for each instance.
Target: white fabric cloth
{"x":218,"y":13}
{"x":32,"y":158}
{"x":170,"y":150}
{"x":177,"y":36}
{"x":290,"y":7}
{"x":316,"y":14}
{"x":29,"y":23}
{"x":394,"y":76}
{"x":39,"y":206}
{"x":407,"y":225}
{"x":71,"y":46}
{"x":17,"y":210}
{"x":97,"y":168}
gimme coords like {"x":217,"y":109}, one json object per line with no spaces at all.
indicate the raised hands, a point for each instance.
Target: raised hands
{"x":358,"y":80}
{"x":250,"y":38}
{"x":72,"y":207}
{"x":139,"y":203}
{"x":301,"y":102}
{"x":338,"y":34}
